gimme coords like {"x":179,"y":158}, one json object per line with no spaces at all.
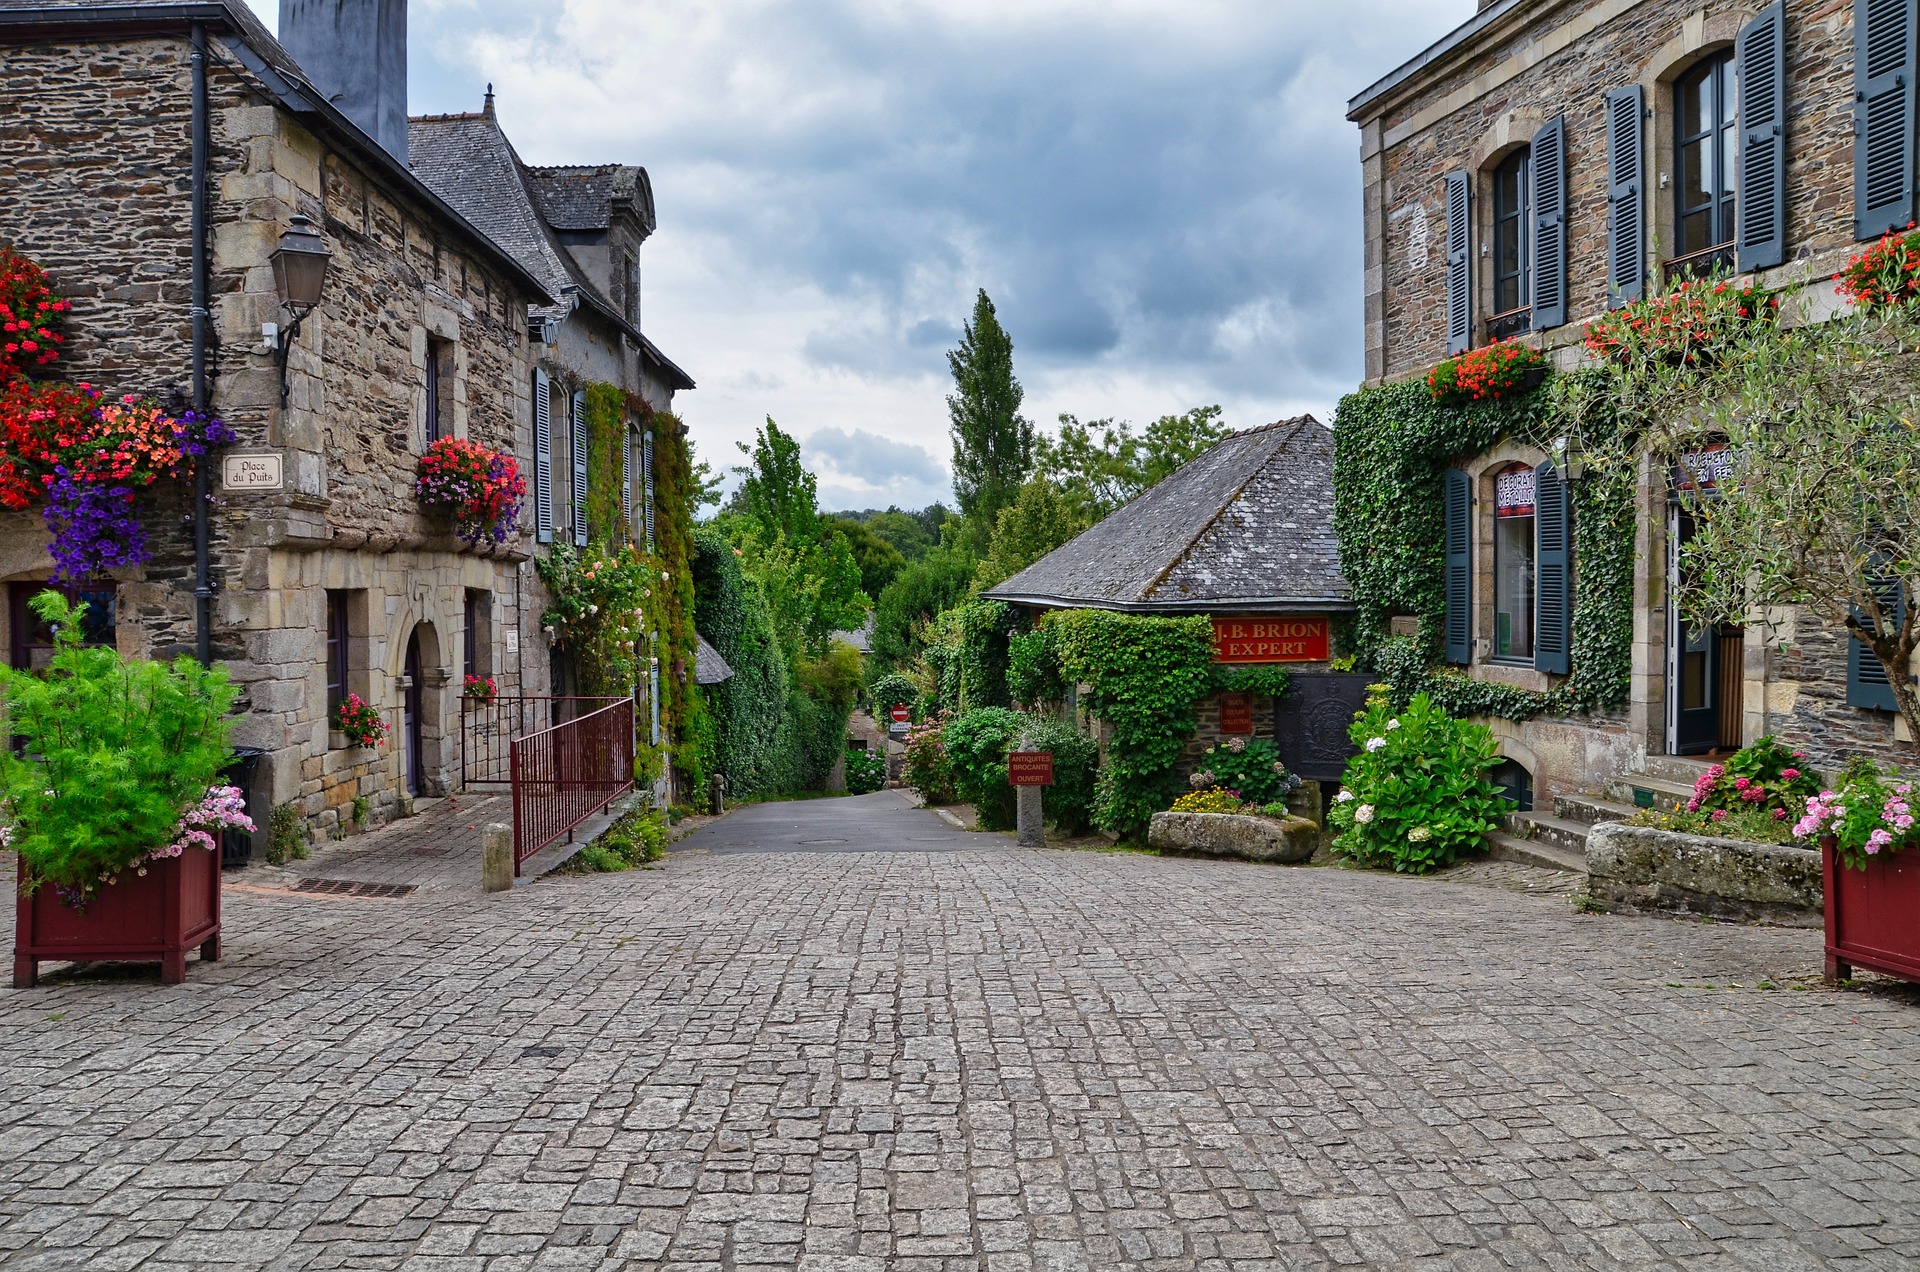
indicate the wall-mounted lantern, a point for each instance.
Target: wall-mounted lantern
{"x":299,"y":275}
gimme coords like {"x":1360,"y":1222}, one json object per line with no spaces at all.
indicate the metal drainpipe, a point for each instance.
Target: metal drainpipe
{"x":202,"y":567}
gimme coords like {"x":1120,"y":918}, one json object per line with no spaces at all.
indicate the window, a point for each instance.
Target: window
{"x":30,"y":640}
{"x":479,"y":617}
{"x":336,"y":651}
{"x":1513,"y":563}
{"x":436,"y":407}
{"x":1512,"y":246}
{"x":1706,"y":162}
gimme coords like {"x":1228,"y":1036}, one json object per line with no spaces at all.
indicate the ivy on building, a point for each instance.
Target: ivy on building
{"x":1392,"y":445}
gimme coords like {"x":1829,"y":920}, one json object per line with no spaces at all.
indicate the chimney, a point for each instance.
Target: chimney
{"x":355,"y":52}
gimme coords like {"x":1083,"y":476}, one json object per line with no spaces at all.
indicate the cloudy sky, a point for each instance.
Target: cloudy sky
{"x":1161,"y":197}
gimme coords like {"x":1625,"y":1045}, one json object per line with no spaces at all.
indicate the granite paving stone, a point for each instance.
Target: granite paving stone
{"x":844,"y":1035}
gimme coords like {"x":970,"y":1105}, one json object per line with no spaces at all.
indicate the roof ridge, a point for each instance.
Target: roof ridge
{"x":458,"y":114}
{"x":1159,"y":578}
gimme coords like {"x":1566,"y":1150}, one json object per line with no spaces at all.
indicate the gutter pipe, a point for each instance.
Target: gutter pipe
{"x":202,"y":564}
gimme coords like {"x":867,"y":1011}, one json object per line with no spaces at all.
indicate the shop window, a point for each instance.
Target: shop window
{"x":1513,"y":563}
{"x":1512,"y":246}
{"x":1706,"y":163}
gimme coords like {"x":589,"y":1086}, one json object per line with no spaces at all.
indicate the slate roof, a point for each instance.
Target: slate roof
{"x":469,"y":162}
{"x":709,"y":668}
{"x":581,"y":197}
{"x":1245,"y":528}
{"x":269,"y":61}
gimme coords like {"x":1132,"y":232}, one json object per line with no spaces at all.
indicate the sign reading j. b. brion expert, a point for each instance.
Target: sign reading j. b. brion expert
{"x":1270,"y":640}
{"x":251,"y":472}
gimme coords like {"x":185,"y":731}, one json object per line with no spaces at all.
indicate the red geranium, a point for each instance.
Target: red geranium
{"x":1493,"y":371}
{"x":479,"y":488}
{"x":1888,"y":273}
{"x":1687,"y":326}
{"x":30,"y":316}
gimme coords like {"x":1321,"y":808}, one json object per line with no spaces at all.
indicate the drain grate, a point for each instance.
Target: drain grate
{"x":350,"y":888}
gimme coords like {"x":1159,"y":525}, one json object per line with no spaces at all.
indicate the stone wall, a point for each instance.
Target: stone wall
{"x":95,"y":139}
{"x":1549,"y":60}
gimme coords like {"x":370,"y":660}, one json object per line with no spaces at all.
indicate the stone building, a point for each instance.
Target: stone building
{"x":126,"y":129}
{"x":1547,"y":161}
{"x":1244,"y":535}
{"x":579,"y":230}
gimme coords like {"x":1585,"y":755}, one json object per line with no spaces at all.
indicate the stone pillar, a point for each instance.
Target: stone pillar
{"x":496,"y":856}
{"x":1031,"y":819}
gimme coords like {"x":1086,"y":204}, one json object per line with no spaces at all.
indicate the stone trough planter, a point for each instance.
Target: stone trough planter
{"x":1244,"y":836}
{"x":1643,"y":868}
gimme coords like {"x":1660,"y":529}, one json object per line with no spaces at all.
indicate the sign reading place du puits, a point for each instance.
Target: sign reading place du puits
{"x":1285,"y":638}
{"x":258,"y":471}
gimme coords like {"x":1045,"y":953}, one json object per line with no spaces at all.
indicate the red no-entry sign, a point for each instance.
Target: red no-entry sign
{"x":900,"y":715}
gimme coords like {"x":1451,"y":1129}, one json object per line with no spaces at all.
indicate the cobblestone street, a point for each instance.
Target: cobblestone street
{"x":920,"y":1048}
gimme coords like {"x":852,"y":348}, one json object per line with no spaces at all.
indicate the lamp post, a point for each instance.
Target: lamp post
{"x":299,"y":275}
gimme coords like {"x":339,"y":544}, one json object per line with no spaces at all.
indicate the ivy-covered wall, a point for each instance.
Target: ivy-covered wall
{"x":1392,"y":444}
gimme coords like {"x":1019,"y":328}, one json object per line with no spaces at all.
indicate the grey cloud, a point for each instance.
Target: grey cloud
{"x":876,"y":460}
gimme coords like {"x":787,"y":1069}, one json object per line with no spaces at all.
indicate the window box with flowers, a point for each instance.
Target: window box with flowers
{"x":1886,"y":275}
{"x":1502,"y":369}
{"x":1871,"y":871}
{"x":478,"y":691}
{"x":476,"y":488}
{"x":357,"y":722}
{"x":1688,"y":326}
{"x":111,"y":805}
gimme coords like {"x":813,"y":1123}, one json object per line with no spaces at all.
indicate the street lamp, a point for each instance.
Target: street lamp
{"x":299,"y":275}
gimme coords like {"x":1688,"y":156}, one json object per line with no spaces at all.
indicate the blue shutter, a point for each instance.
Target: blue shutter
{"x":1552,"y":572}
{"x":1459,"y":550}
{"x":1549,"y":176}
{"x":1762,"y":52}
{"x":646,"y":480}
{"x":1867,"y":684}
{"x":1626,"y":210}
{"x":579,"y":448}
{"x":1884,"y":38}
{"x":542,"y":457}
{"x":626,"y":485}
{"x":1459,"y":263}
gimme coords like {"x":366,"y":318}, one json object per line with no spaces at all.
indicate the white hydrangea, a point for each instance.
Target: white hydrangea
{"x":1363,"y":814}
{"x":1374,"y":744}
{"x":1393,"y":724}
{"x":1419,"y":835}
{"x":1343,"y":797}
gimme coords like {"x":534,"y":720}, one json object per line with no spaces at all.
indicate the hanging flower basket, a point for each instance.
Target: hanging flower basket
{"x":478,"y":489}
{"x":31,"y":316}
{"x":1501,"y":369}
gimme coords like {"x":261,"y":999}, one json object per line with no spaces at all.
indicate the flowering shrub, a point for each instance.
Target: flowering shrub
{"x":357,"y":718}
{"x":1484,"y":374}
{"x":118,"y":759}
{"x":866,"y":771}
{"x":1765,"y":776}
{"x":1251,"y":767}
{"x":479,"y":689}
{"x":478,"y":487}
{"x":30,"y":316}
{"x":600,"y":598}
{"x":929,"y":770}
{"x":1749,"y":822}
{"x":1884,"y":275}
{"x":223,"y":808}
{"x":1215,"y":799}
{"x":1871,"y":815}
{"x":1687,"y":326}
{"x":1417,"y":794}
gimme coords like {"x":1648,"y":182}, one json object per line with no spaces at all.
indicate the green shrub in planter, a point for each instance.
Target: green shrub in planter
{"x":116,"y":751}
{"x":1417,"y":795}
{"x":866,"y":771}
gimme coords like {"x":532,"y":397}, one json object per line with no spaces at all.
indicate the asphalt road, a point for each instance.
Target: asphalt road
{"x":885,"y":821}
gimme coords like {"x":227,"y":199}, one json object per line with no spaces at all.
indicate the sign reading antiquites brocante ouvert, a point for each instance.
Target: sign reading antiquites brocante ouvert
{"x":1282,"y":638}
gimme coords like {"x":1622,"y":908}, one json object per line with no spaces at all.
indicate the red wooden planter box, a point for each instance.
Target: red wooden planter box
{"x":156,"y":917}
{"x":1873,"y":915}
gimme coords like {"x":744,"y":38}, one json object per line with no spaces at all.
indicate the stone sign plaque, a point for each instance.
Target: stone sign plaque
{"x":1270,"y":640}
{"x":252,"y":472}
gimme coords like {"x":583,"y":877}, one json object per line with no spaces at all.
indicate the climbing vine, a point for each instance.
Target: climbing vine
{"x":606,"y":436}
{"x":1392,"y":445}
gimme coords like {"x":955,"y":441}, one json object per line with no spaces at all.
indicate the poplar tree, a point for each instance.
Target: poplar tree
{"x":992,"y":442}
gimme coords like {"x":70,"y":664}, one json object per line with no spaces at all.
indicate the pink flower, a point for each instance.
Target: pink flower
{"x":1789,"y":774}
{"x":1741,"y":783}
{"x":1719,"y":814}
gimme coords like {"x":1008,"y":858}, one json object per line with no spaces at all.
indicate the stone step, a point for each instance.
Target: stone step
{"x":1666,"y":792}
{"x":1591,"y":808}
{"x":1502,"y":846}
{"x":1674,"y":768}
{"x":1561,"y":832}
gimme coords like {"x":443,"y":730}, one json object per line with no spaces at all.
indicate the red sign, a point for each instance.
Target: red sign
{"x":1030,"y":768}
{"x":1236,"y":713}
{"x":901,"y":715}
{"x":1270,"y":640}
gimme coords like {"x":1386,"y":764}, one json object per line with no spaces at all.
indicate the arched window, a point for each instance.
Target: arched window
{"x":1706,"y":163}
{"x":1512,"y":246}
{"x":1513,"y":562}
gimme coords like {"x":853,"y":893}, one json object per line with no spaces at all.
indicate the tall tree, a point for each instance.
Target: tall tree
{"x":776,"y":490}
{"x":1100,"y":465}
{"x":992,"y":441}
{"x":1036,"y":523}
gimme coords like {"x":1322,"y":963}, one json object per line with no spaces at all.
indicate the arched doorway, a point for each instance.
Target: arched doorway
{"x":416,"y":695}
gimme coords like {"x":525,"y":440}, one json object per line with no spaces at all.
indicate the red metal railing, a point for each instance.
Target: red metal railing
{"x":563,"y":775}
{"x":486,"y":729}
